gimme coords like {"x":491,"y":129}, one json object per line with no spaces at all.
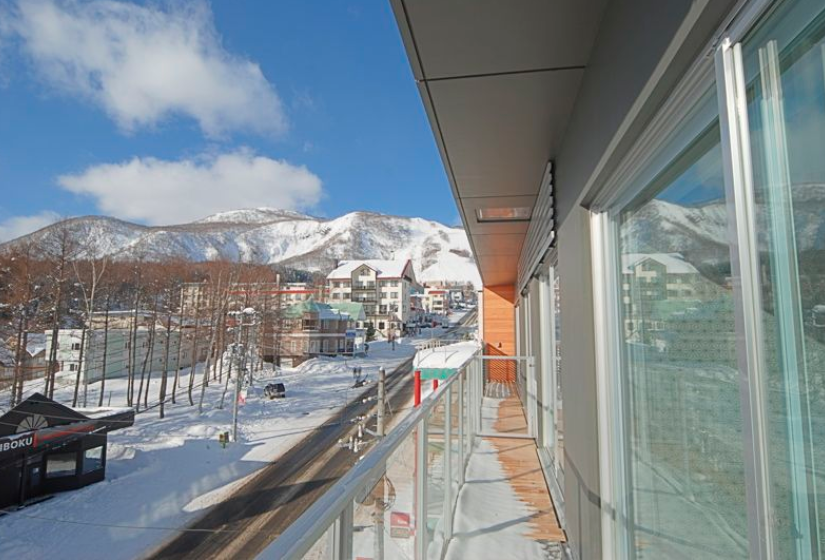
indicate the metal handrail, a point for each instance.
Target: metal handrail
{"x":305,"y":531}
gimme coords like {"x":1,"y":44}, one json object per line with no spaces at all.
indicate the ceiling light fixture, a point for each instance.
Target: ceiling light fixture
{"x":511,"y":214}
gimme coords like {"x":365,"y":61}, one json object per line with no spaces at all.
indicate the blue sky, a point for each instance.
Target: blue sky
{"x":160,"y":112}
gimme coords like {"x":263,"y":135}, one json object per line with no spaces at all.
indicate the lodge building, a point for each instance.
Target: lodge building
{"x":47,"y":447}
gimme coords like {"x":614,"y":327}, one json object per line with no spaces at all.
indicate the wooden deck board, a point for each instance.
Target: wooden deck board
{"x":520,"y":461}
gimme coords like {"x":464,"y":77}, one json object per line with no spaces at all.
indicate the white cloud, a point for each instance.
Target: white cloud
{"x":164,"y":192}
{"x":16,"y":226}
{"x":143,"y":64}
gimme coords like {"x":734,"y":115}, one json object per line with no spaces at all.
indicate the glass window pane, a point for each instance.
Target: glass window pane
{"x":454,"y":443}
{"x":436,"y":457}
{"x":322,"y":549}
{"x":93,"y":459}
{"x":558,"y":415}
{"x":680,"y":377}
{"x":63,"y":464}
{"x":383,"y":516}
{"x":785,"y":68}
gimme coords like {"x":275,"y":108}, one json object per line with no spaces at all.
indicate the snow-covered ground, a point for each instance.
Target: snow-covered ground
{"x":162,"y":474}
{"x":491,"y":521}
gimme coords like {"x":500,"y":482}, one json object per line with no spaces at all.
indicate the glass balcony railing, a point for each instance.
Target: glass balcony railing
{"x":400,"y":499}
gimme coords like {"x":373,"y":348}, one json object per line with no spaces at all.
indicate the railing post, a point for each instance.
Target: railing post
{"x":462,"y":432}
{"x":341,"y":536}
{"x":417,"y":388}
{"x":448,"y":465}
{"x":479,"y":382}
{"x":421,"y":493}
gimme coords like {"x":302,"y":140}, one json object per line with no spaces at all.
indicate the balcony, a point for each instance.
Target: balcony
{"x":457,"y":478}
{"x":361,"y":286}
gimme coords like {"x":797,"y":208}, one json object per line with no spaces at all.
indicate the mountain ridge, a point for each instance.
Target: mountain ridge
{"x":274,"y":236}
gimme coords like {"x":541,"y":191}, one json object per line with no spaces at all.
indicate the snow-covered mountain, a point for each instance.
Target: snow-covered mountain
{"x":700,"y":233}
{"x":270,"y":236}
{"x":438,"y":252}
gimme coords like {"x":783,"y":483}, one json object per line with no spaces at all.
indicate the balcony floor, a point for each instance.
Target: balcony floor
{"x":505,"y":509}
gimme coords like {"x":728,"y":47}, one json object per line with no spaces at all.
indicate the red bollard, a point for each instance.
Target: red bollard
{"x":435,"y":384}
{"x":417,"y":389}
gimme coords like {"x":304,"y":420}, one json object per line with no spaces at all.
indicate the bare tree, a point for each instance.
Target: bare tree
{"x":104,"y":363}
{"x":194,"y":360}
{"x":25,"y":289}
{"x":137,"y":277}
{"x":162,"y":395}
{"x":181,"y":319}
{"x":150,"y":355}
{"x":60,"y":248}
{"x":89,"y":271}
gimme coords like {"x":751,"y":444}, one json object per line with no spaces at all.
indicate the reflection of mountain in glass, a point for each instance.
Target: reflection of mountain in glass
{"x":700,"y":232}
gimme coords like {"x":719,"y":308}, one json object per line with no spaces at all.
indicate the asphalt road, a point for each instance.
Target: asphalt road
{"x":244,"y":524}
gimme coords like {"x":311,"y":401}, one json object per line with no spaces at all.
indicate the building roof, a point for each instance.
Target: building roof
{"x":384,"y":269}
{"x":55,"y":425}
{"x":123,"y":313}
{"x":354,"y":309}
{"x":674,"y":263}
{"x":6,"y":355}
{"x":324,"y":311}
{"x":36,"y":343}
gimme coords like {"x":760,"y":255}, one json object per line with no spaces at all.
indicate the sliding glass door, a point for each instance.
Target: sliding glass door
{"x":712,"y":255}
{"x":783,"y":62}
{"x":680,"y":377}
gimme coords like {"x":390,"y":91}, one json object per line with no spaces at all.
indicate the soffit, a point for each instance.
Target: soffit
{"x":499,"y":81}
{"x":461,"y":38}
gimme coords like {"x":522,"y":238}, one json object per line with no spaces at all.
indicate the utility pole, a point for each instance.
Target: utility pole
{"x":382,"y":396}
{"x":235,"y":358}
{"x":240,"y":360}
{"x":380,"y":498}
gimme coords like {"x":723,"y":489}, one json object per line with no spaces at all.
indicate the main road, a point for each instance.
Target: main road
{"x":246,"y":522}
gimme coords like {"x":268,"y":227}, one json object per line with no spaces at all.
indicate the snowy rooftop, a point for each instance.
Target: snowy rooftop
{"x":103,"y":411}
{"x":385,"y":269}
{"x":674,"y":262}
{"x":352,"y":308}
{"x":324,"y":311}
{"x":6,"y":355}
{"x":36,"y":343}
{"x":451,"y":356}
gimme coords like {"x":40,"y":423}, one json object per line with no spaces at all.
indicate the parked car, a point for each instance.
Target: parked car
{"x":275,"y":391}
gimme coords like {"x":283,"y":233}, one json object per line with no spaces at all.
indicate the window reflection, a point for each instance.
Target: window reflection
{"x":680,"y":376}
{"x":785,"y":65}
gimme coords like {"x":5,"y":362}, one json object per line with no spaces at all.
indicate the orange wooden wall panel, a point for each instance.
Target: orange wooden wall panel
{"x":500,"y":329}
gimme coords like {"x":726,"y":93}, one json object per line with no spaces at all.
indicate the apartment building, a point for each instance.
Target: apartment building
{"x":293,"y":293}
{"x":643,"y":187}
{"x":7,"y":363}
{"x":383,"y":287}
{"x":311,"y":328}
{"x":195,"y":297}
{"x":116,"y":351}
{"x":122,"y":319}
{"x":435,"y":300}
{"x":261,"y":296}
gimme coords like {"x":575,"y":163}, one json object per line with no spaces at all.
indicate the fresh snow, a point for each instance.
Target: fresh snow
{"x":450,"y":356}
{"x":163,"y":474}
{"x":491,"y":521}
